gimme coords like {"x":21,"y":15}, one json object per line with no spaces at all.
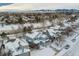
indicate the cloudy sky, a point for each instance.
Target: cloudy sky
{"x":4,"y":4}
{"x":30,"y":6}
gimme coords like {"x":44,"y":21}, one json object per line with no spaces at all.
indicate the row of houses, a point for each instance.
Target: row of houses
{"x":12,"y":45}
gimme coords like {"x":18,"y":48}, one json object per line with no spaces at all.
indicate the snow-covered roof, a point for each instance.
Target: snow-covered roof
{"x":51,"y":32}
{"x":73,"y":15}
{"x":41,"y":35}
{"x":36,"y":41}
{"x":11,"y":36}
{"x":27,"y":24}
{"x":67,"y":24}
{"x":55,"y":27}
{"x":32,"y":35}
{"x":44,"y":36}
{"x":20,"y":52}
{"x":14,"y":45}
{"x":37,"y":25}
{"x":47,"y":23}
{"x":61,"y":45}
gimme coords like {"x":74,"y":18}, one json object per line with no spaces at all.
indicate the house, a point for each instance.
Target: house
{"x":31,"y":39}
{"x":42,"y":38}
{"x":17,"y":47}
{"x":31,"y":36}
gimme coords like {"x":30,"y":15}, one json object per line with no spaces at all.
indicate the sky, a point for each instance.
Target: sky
{"x":37,"y":6}
{"x":4,"y":4}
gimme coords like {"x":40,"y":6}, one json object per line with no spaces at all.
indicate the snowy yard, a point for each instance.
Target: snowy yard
{"x":46,"y":51}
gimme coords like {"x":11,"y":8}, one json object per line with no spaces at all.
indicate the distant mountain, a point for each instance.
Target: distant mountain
{"x":38,"y":6}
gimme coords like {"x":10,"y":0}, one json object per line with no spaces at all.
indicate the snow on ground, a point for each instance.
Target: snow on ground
{"x":8,"y":28}
{"x":73,"y":50}
{"x":37,"y":25}
{"x":27,"y":24}
{"x":74,"y":45}
{"x":67,"y":41}
{"x":47,"y":51}
{"x":47,"y":23}
{"x":76,"y":49}
{"x":59,"y":47}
